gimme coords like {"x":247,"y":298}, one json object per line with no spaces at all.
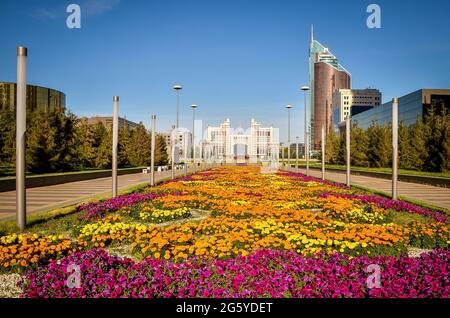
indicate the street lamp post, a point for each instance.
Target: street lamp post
{"x":21,"y":122}
{"x":185,"y":153}
{"x":178,"y":89}
{"x":173,"y":139}
{"x":289,"y":107}
{"x":394,"y":148}
{"x":152,"y":162}
{"x":296,"y":152}
{"x":115,"y":142}
{"x":193,"y":106}
{"x":305,"y":89}
{"x":323,"y":152}
{"x":347,"y":137}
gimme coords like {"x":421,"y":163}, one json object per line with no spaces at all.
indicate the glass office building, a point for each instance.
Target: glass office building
{"x":410,"y":107}
{"x":326,"y":75}
{"x":38,"y":98}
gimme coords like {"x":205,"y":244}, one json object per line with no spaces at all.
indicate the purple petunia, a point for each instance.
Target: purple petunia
{"x":265,"y":273}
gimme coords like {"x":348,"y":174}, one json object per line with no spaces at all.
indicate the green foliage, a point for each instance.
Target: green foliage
{"x":358,"y":147}
{"x":424,"y":146}
{"x":59,"y":141}
{"x":161,"y":158}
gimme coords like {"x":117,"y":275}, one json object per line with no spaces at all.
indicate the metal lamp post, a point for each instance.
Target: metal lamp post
{"x":347,"y":137}
{"x":152,"y":162}
{"x":178,"y":89}
{"x":193,"y":106}
{"x":115,"y":141}
{"x":323,"y":152}
{"x":394,"y":148}
{"x":172,"y":159}
{"x":296,"y":152}
{"x":305,"y":89}
{"x":21,"y":207}
{"x":289,"y":107}
{"x":185,"y":150}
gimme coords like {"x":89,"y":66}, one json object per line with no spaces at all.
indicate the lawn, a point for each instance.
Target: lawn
{"x":234,"y":232}
{"x":406,"y":172}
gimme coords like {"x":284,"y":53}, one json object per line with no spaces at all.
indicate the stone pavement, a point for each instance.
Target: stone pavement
{"x":437,"y":196}
{"x":56,"y":196}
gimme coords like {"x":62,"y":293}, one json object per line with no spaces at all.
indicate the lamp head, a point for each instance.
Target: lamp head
{"x":194,"y":106}
{"x":177,"y":87}
{"x":289,"y":106}
{"x":305,"y":88}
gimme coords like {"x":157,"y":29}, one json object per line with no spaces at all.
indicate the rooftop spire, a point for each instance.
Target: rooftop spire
{"x":312,"y":35}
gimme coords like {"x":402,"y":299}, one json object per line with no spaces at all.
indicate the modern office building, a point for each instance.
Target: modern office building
{"x":410,"y":107}
{"x":326,"y":76}
{"x":184,"y":143}
{"x":38,"y":98}
{"x":108,"y":120}
{"x":238,"y":145}
{"x":350,"y":102}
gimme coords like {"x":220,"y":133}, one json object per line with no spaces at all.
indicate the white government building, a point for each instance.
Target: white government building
{"x":255,"y":144}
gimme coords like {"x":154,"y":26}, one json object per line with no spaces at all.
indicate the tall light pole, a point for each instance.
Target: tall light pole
{"x":174,"y":136}
{"x":323,"y":152}
{"x":296,"y":152}
{"x":173,"y":139}
{"x":193,"y":106}
{"x":394,"y":148}
{"x":178,"y":89}
{"x":347,"y":137}
{"x":115,"y":142}
{"x":152,"y":162}
{"x":185,"y":150}
{"x":305,"y":89}
{"x":21,"y":122}
{"x":289,"y":107}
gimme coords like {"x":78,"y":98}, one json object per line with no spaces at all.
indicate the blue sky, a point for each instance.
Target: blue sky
{"x":235,"y":58}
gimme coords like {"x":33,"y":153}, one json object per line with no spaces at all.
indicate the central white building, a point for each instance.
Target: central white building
{"x":252,"y":145}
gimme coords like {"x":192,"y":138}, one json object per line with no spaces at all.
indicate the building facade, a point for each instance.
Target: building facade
{"x":38,"y":98}
{"x":326,"y":76}
{"x":238,"y":145}
{"x":108,"y":120}
{"x":410,"y":107}
{"x":182,"y":146}
{"x":350,"y":102}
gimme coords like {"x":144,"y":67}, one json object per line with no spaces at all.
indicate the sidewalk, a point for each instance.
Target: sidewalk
{"x":436,"y":196}
{"x":56,"y":196}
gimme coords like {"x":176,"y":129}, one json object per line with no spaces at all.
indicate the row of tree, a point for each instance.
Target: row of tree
{"x":424,"y":146}
{"x":60,"y":141}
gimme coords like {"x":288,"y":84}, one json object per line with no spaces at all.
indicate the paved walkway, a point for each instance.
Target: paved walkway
{"x":437,"y":196}
{"x":56,"y":196}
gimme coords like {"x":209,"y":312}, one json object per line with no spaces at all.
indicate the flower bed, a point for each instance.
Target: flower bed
{"x":251,"y":216}
{"x":261,"y":274}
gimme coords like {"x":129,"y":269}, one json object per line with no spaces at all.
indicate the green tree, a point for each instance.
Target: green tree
{"x":87,"y":143}
{"x":405,"y":147}
{"x":104,"y":149}
{"x":358,"y":147}
{"x":40,"y":144}
{"x":138,"y":149}
{"x":380,"y":146}
{"x":7,"y":137}
{"x":161,"y":158}
{"x":435,"y":125}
